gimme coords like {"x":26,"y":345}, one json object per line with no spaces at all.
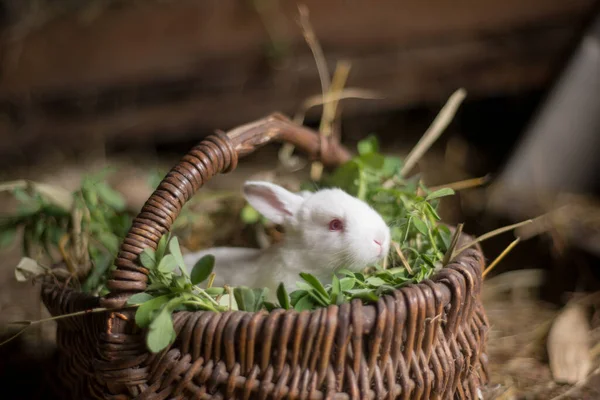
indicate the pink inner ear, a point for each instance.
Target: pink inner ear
{"x":271,"y":199}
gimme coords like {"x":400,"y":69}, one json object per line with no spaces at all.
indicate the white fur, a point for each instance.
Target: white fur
{"x":309,"y":245}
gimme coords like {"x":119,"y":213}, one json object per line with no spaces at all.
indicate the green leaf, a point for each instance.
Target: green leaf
{"x":161,"y":248}
{"x":39,"y":230}
{"x":143,"y":315}
{"x":167,"y":264}
{"x":315,"y":283}
{"x":347,"y":283}
{"x":259,"y":298}
{"x":215,"y":291}
{"x":362,"y":186}
{"x":374,"y":281}
{"x":224,"y":302}
{"x":175,"y":251}
{"x":445,"y":235}
{"x":432,"y":212}
{"x":420,"y":225}
{"x":148,"y":258}
{"x":283,"y":297}
{"x":319,"y":298}
{"x":296,"y":295}
{"x":368,"y":145}
{"x":372,"y":160}
{"x":363,"y":294}
{"x":180,"y":284}
{"x":304,"y":303}
{"x":52,"y":210}
{"x":156,"y":287}
{"x":21,"y":195}
{"x":346,"y":272}
{"x":249,"y":215}
{"x":90,"y":197}
{"x":439,"y":193}
{"x":202,"y":269}
{"x":160,"y":331}
{"x":244,"y":298}
{"x":101,"y":264}
{"x":110,"y":241}
{"x":428,"y":260}
{"x":383,"y":289}
{"x":139,"y":298}
{"x":304,"y":286}
{"x":391,"y":166}
{"x":336,"y":288}
{"x":337,"y":296}
{"x":109,"y":196}
{"x":346,"y":177}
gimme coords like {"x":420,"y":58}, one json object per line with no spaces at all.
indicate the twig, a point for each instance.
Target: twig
{"x":493,"y":233}
{"x":39,"y":321}
{"x":269,"y":12}
{"x":434,"y":131}
{"x":453,"y":243}
{"x":402,"y":258}
{"x":63,"y":252}
{"x":211,"y":280}
{"x":329,"y":112}
{"x":348,"y":93}
{"x":501,"y":256}
{"x":16,"y":335}
{"x":230,"y":297}
{"x":461,"y":185}
{"x":285,"y":153}
{"x":340,"y":76}
{"x":315,"y":48}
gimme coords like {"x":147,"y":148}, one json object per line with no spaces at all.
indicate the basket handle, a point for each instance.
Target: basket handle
{"x":215,"y":154}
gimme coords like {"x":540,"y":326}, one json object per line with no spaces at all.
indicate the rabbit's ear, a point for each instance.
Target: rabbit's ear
{"x":274,"y":202}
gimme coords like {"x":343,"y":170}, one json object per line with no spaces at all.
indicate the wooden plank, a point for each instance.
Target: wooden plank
{"x":141,"y":41}
{"x":168,"y":70}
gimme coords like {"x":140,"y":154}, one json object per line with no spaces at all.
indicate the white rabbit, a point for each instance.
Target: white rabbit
{"x":324,"y":231}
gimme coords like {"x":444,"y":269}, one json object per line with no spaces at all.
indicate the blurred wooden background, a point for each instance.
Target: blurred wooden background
{"x":165,"y":70}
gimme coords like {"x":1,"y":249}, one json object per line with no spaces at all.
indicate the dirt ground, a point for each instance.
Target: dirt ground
{"x":519,"y":320}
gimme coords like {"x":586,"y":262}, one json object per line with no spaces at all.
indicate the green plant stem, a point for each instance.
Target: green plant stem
{"x":431,"y":236}
{"x":202,"y":305}
{"x":407,"y":229}
{"x":206,"y":295}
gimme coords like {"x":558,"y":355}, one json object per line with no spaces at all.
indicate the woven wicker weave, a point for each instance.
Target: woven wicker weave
{"x":425,"y":341}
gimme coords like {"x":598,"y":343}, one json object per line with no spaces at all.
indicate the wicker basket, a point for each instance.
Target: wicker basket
{"x":425,"y":341}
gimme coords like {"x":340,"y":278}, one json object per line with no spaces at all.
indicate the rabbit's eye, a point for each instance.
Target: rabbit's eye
{"x":336,"y":225}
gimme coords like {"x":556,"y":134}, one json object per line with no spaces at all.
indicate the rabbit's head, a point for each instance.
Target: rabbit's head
{"x":331,"y":227}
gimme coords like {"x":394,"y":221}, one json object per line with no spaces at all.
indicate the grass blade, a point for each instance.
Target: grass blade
{"x":493,"y":233}
{"x":501,"y":256}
